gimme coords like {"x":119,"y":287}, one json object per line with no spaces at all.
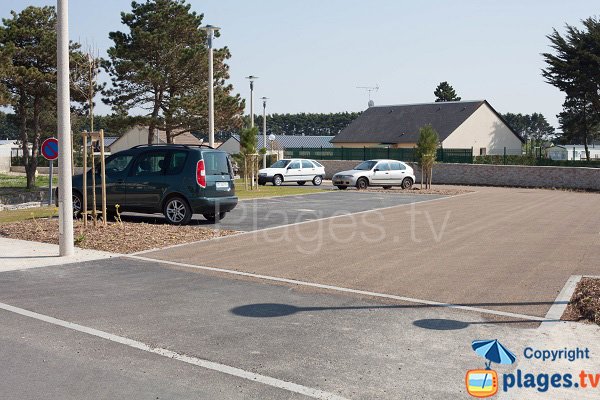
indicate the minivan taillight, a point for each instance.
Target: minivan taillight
{"x":201,"y":174}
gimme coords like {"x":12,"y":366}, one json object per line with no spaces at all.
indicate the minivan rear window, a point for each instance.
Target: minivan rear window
{"x":216,"y":163}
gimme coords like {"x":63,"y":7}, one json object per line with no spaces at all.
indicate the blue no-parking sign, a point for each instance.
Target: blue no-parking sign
{"x":50,"y":149}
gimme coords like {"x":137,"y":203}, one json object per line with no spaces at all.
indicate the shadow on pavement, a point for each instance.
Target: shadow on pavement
{"x":270,"y":310}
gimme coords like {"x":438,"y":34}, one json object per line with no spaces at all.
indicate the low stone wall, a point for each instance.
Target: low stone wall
{"x":497,"y":175}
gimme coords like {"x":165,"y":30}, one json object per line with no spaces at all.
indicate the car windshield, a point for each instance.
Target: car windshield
{"x":280,"y":164}
{"x":365,"y":165}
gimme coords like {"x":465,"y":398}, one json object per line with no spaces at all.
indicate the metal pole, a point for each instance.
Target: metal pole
{"x":50,"y":183}
{"x":265,"y":131}
{"x":65,"y":201}
{"x":251,"y":104}
{"x":211,"y":99}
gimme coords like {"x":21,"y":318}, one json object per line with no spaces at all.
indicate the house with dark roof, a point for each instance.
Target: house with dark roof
{"x":281,"y":142}
{"x":459,"y":124}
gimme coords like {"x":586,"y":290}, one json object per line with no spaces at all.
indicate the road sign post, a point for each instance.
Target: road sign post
{"x":50,"y":153}
{"x":50,"y":183}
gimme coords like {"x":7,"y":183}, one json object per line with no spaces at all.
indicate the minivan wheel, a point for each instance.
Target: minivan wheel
{"x":277,"y":180}
{"x":362,"y":184}
{"x":177,"y":211}
{"x":317,"y":180}
{"x":77,"y":204}
{"x":301,"y":183}
{"x":407,"y":183}
{"x":212,"y":218}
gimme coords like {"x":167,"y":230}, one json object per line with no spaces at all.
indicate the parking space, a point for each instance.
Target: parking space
{"x":278,"y":341}
{"x":489,"y":249}
{"x":251,"y":215}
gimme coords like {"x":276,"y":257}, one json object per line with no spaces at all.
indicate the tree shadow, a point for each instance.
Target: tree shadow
{"x":274,"y":310}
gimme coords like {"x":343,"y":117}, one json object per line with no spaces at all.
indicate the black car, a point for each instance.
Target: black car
{"x":177,"y":180}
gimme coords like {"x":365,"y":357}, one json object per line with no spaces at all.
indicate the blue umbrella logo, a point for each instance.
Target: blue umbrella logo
{"x":493,"y":351}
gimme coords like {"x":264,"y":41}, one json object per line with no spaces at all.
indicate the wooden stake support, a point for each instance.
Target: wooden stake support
{"x":95,"y":137}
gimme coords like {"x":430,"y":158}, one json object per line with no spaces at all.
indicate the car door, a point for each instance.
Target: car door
{"x":397,"y":172}
{"x":381,"y":173}
{"x":147,"y":181}
{"x":293,"y":172}
{"x":116,"y":168}
{"x":308,"y":170}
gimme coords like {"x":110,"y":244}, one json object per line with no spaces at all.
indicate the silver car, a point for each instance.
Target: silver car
{"x":385,"y":173}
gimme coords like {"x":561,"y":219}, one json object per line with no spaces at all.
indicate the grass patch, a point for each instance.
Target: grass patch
{"x":20,"y":181}
{"x":270,"y":191}
{"x":9,"y":216}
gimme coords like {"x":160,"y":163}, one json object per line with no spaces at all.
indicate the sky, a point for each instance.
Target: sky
{"x":310,"y":55}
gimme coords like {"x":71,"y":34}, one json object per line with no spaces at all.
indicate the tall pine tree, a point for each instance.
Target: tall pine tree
{"x":161,"y":66}
{"x":574,"y":68}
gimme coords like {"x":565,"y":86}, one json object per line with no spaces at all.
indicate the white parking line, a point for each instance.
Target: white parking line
{"x":348,"y":290}
{"x":211,"y":365}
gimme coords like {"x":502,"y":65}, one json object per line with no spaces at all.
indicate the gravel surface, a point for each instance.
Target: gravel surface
{"x":128,"y":237}
{"x":585,"y":302}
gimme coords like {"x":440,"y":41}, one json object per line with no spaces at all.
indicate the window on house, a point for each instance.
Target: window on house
{"x":482,"y":151}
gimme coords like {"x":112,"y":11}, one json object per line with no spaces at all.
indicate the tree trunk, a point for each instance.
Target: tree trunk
{"x":154,"y":116}
{"x":22,"y":111}
{"x":31,"y":166}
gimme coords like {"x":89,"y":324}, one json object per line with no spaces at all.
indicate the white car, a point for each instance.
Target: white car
{"x":386,"y":173}
{"x":297,"y":170}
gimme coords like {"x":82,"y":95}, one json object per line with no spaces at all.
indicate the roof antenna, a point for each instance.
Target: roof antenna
{"x":370,"y":89}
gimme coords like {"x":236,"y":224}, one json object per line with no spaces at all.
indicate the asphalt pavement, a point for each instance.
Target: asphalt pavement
{"x":331,"y":345}
{"x":256,"y":214}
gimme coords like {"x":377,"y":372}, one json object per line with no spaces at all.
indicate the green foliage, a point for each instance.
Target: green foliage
{"x":530,"y":126}
{"x":9,"y":128}
{"x":248,"y":141}
{"x":28,"y":76}
{"x":160,"y":66}
{"x":426,"y":152}
{"x":574,"y":68}
{"x":445,"y":92}
{"x":308,"y":124}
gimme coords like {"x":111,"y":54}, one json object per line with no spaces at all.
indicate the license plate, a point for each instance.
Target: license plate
{"x":223,"y":185}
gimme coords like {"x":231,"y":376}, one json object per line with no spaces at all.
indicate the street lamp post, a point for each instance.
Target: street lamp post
{"x":252,"y":78}
{"x":210,"y":31}
{"x":264,"y":99}
{"x":65,"y":199}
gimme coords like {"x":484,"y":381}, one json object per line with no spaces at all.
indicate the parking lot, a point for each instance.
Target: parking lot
{"x":298,"y":310}
{"x":251,"y":215}
{"x":488,"y":249}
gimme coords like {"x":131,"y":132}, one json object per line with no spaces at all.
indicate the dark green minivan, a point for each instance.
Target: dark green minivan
{"x":177,"y":180}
